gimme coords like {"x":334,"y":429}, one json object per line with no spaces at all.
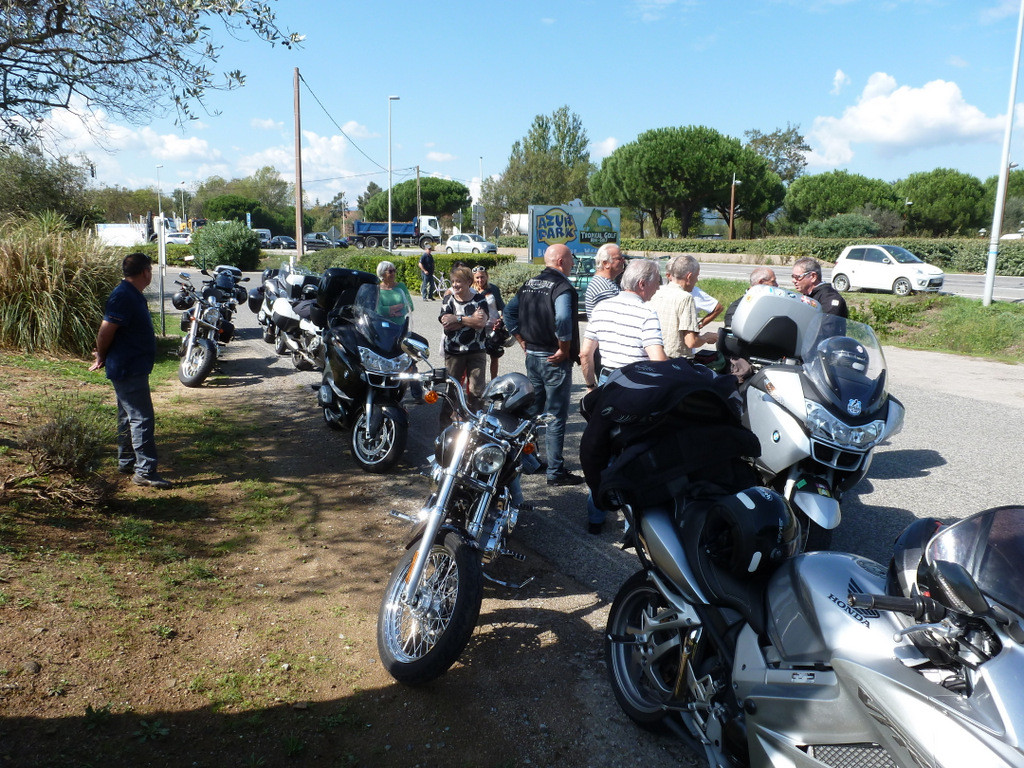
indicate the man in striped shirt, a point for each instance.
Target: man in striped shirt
{"x":609,"y":263}
{"x":623,"y":326}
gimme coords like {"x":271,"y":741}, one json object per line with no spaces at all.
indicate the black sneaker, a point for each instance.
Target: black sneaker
{"x":565,"y":478}
{"x":152,"y":481}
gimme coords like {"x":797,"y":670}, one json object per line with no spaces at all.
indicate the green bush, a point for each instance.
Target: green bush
{"x":68,"y":436}
{"x":54,"y":285}
{"x":230,"y":243}
{"x":843,"y":225}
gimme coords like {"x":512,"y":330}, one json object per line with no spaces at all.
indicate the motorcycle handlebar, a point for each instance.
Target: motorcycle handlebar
{"x":919,"y":607}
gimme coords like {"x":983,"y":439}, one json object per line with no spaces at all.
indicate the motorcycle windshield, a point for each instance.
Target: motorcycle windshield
{"x":990,"y":546}
{"x":844,"y":361}
{"x":384,"y":333}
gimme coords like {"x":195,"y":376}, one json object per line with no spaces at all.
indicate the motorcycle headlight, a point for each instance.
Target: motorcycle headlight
{"x":379,"y":364}
{"x":488,"y":459}
{"x":211,"y":315}
{"x":827,"y":427}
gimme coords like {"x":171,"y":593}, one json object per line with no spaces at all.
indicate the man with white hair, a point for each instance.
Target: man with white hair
{"x":677,"y":311}
{"x":608,"y":265}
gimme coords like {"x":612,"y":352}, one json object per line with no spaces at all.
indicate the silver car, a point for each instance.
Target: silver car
{"x":469,"y":243}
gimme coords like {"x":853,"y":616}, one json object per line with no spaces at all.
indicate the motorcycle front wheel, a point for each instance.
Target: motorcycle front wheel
{"x":643,"y":662}
{"x":380,"y":452}
{"x":419,"y":644}
{"x":197,"y":364}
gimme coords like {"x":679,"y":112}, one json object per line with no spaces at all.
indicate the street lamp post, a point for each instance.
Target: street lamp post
{"x":183,"y":219}
{"x":732,"y":207}
{"x":159,"y":194}
{"x":391,"y":243}
{"x":160,"y":248}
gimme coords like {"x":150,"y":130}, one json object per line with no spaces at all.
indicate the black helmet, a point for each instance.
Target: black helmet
{"x":750,"y":533}
{"x":844,"y":352}
{"x":904,"y":578}
{"x":309,"y":291}
{"x":182,"y":300}
{"x":513,"y":390}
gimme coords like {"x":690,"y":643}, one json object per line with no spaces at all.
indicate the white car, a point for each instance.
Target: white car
{"x":884,"y":268}
{"x":182,"y":238}
{"x":468,"y":243}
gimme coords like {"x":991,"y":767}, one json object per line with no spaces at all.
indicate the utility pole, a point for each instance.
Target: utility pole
{"x":419,"y":198}
{"x":298,"y":175}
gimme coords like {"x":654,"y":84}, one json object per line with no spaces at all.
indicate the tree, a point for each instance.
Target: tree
{"x":372,"y":189}
{"x":822,"y":195}
{"x":32,"y":183}
{"x":129,"y":58}
{"x":266,"y":187}
{"x":1013,"y":207}
{"x":551,"y":164}
{"x":682,"y":171}
{"x":783,"y":149}
{"x":440,"y":197}
{"x":943,"y":201}
{"x":121,"y":204}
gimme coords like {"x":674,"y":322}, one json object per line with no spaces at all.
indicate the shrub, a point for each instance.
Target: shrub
{"x":68,"y":436}
{"x":54,"y":285}
{"x":843,"y":225}
{"x":230,"y":243}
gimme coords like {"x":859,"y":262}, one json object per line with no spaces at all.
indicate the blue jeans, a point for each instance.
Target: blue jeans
{"x":136,"y":439}
{"x":427,"y":286}
{"x":552,"y":385}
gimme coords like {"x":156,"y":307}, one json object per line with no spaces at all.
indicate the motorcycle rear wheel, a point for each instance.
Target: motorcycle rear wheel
{"x":383,"y":452}
{"x":643,"y":663}
{"x":417,"y":646}
{"x":196,"y":366}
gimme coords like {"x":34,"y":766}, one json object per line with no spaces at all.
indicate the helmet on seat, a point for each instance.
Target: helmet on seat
{"x":750,"y":533}
{"x":182,"y":300}
{"x":513,"y":390}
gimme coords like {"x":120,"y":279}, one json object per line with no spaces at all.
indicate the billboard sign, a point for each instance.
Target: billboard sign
{"x":582,"y":228}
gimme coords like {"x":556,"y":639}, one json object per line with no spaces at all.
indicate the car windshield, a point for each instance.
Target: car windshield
{"x":902,"y":255}
{"x":384,"y":332}
{"x":843,"y":360}
{"x":990,"y":546}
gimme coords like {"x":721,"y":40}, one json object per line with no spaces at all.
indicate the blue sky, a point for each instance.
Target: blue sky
{"x":884,"y":88}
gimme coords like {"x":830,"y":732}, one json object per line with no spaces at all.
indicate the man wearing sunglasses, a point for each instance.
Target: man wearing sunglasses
{"x":807,"y":280}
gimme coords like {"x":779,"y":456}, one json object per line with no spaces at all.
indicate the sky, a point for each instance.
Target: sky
{"x":883,"y":88}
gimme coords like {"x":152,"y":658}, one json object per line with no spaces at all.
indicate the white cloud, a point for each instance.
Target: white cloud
{"x":652,"y":10}
{"x":440,"y":157}
{"x":957,"y":61}
{"x":839,"y":80}
{"x":358,"y":130}
{"x":548,"y":21}
{"x":896,"y":119}
{"x":266,"y":124}
{"x":1000,"y":10}
{"x":601,"y":149}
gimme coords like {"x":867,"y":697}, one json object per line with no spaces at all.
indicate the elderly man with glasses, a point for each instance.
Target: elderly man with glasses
{"x":807,"y":280}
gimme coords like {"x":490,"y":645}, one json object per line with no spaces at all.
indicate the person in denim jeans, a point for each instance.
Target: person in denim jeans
{"x":542,"y":317}
{"x":126,"y":349}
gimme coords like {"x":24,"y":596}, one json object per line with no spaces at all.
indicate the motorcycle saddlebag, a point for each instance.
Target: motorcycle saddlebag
{"x":256,"y":299}
{"x":287,"y":323}
{"x":227,"y":331}
{"x":338,"y":286}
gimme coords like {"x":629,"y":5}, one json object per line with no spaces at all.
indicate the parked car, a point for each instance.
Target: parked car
{"x":316,"y":241}
{"x":468,"y":243}
{"x":181,"y":238}
{"x":264,"y":235}
{"x":884,"y":268}
{"x":282,"y":242}
{"x":583,"y":270}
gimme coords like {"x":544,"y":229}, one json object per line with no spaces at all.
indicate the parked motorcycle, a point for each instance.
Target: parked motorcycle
{"x":433,"y":597}
{"x":297,"y":333}
{"x":758,"y":656}
{"x":206,"y":320}
{"x":818,"y":401}
{"x":284,"y":282}
{"x":361,"y":389}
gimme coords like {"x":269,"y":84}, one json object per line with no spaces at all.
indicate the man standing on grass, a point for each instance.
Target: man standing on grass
{"x":126,"y":348}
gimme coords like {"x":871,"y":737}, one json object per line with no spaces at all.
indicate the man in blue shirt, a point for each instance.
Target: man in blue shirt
{"x":126,"y":348}
{"x":542,"y":317}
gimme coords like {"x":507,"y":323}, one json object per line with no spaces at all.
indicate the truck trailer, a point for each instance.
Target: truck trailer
{"x":421,"y":231}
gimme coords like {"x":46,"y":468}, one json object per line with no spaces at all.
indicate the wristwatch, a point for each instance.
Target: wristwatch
{"x":460,"y":319}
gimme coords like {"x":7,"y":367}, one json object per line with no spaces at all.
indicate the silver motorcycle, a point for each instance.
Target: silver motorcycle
{"x":206,"y":320}
{"x":433,"y":597}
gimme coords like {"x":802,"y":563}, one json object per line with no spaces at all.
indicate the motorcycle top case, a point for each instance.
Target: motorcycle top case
{"x":338,"y":286}
{"x":772,"y":322}
{"x":256,"y":299}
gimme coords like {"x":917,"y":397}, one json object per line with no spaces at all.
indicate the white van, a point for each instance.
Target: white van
{"x":264,"y":235}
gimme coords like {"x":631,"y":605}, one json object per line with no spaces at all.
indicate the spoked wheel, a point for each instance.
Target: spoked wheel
{"x":378,"y":453}
{"x":197,"y":364}
{"x":642,"y":659}
{"x":419,"y":643}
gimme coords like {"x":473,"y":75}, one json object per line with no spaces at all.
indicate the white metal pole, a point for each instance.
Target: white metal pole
{"x":1004,"y":170}
{"x":391,"y":243}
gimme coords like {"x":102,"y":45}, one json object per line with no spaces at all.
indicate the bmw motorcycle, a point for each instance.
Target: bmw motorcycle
{"x":206,"y":320}
{"x":361,"y":389}
{"x":432,"y":600}
{"x":818,"y":401}
{"x":755,"y":655}
{"x":291,"y":283}
{"x":297,"y":333}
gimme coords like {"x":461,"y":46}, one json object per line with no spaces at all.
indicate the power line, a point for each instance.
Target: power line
{"x":342,"y":132}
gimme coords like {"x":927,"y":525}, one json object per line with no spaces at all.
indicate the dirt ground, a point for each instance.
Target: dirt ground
{"x":231,"y":620}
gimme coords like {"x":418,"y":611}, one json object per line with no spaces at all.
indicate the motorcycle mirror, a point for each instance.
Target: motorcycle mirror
{"x":959,"y":587}
{"x":203,"y":271}
{"x":415,"y":348}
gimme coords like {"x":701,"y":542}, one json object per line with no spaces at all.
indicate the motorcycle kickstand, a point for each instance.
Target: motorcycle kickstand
{"x":509,"y":584}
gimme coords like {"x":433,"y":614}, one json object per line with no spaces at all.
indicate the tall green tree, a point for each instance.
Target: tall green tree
{"x":823,"y":195}
{"x":550,"y":165}
{"x":440,"y":197}
{"x":943,"y":201}
{"x":1013,"y":207}
{"x":266,"y":187}
{"x":32,"y":182}
{"x":784,"y":149}
{"x":372,"y":189}
{"x":129,"y":58}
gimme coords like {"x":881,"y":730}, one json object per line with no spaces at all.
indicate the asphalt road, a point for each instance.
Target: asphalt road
{"x":959,"y":453}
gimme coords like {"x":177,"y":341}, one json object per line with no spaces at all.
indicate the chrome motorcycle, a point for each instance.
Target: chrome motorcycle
{"x":818,"y":401}
{"x":432,"y":600}
{"x":206,"y":320}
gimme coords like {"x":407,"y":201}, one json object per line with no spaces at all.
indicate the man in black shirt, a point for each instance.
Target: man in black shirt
{"x":807,"y":279}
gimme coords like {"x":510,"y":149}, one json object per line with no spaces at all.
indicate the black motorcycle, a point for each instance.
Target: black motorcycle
{"x":361,"y":390}
{"x":206,"y":320}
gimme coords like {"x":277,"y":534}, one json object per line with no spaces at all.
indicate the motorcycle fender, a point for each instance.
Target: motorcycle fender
{"x":660,"y":537}
{"x":417,"y":533}
{"x":894,"y":419}
{"x":820,"y":508}
{"x":377,"y":412}
{"x":784,"y":443}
